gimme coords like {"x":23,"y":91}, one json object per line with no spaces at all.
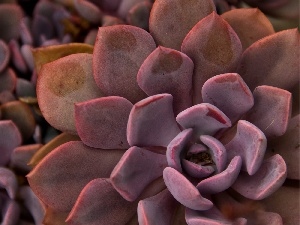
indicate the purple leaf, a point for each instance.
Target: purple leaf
{"x":4,"y":55}
{"x":223,"y":180}
{"x":170,"y":21}
{"x":229,"y":93}
{"x":168,"y":71}
{"x":136,"y":169}
{"x":10,"y":138}
{"x":249,"y":24}
{"x":126,"y":6}
{"x":8,"y":79}
{"x":208,"y":217}
{"x":8,"y":180}
{"x":144,"y":126}
{"x":42,"y":27}
{"x":196,"y":170}
{"x":272,"y":122}
{"x":33,"y":204}
{"x":158,"y":209}
{"x":217,"y":151}
{"x":21,"y":156}
{"x":10,"y":212}
{"x":88,"y":11}
{"x":118,"y":54}
{"x":285,"y":202}
{"x":177,"y":148}
{"x":139,"y":14}
{"x":99,"y":203}
{"x":25,"y":32}
{"x":102,"y":122}
{"x":62,"y":83}
{"x":265,"y":181}
{"x":218,"y":50}
{"x":263,"y":64}
{"x":17,"y":57}
{"x":10,"y":19}
{"x":250,"y":143}
{"x":204,"y":119}
{"x":58,"y":179}
{"x":184,"y":191}
{"x":288,"y":147}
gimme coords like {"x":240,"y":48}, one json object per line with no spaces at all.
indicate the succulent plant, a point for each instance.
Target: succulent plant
{"x":177,"y":115}
{"x":146,"y":111}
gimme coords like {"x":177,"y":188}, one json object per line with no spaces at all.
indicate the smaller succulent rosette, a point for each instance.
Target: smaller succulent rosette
{"x":199,"y":164}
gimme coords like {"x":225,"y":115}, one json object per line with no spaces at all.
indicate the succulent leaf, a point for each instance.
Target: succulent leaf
{"x":118,"y":54}
{"x":102,"y":122}
{"x":70,"y":165}
{"x":137,"y":168}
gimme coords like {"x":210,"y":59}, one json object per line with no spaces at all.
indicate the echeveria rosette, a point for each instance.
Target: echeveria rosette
{"x":127,"y":66}
{"x":195,"y":156}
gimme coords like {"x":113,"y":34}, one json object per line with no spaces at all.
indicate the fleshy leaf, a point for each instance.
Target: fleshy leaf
{"x":8,"y":79}
{"x":10,"y":19}
{"x":263,"y":64}
{"x":25,"y":88}
{"x":221,"y":181}
{"x":158,"y":209}
{"x":102,"y":122}
{"x":184,"y":191}
{"x":144,"y":126}
{"x":208,"y":217}
{"x":32,"y":203}
{"x":10,"y":212}
{"x":99,"y":203}
{"x":126,"y":6}
{"x":266,"y":181}
{"x":44,"y":55}
{"x":229,"y":93}
{"x":217,"y":151}
{"x":288,"y":147}
{"x":168,"y":71}
{"x":272,"y":122}
{"x":249,"y":24}
{"x":21,"y":114}
{"x":47,"y":148}
{"x":17,"y":57}
{"x":8,"y":180}
{"x":42,"y":28}
{"x":88,"y":10}
{"x":196,"y":170}
{"x":62,"y":83}
{"x":170,"y":21}
{"x":204,"y":119}
{"x":288,"y":197}
{"x":22,"y":155}
{"x":10,"y":138}
{"x":177,"y":148}
{"x":4,"y":55}
{"x":58,"y":179}
{"x":139,"y":14}
{"x":116,"y":48}
{"x":250,"y":143}
{"x":137,"y":168}
{"x":218,"y":50}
